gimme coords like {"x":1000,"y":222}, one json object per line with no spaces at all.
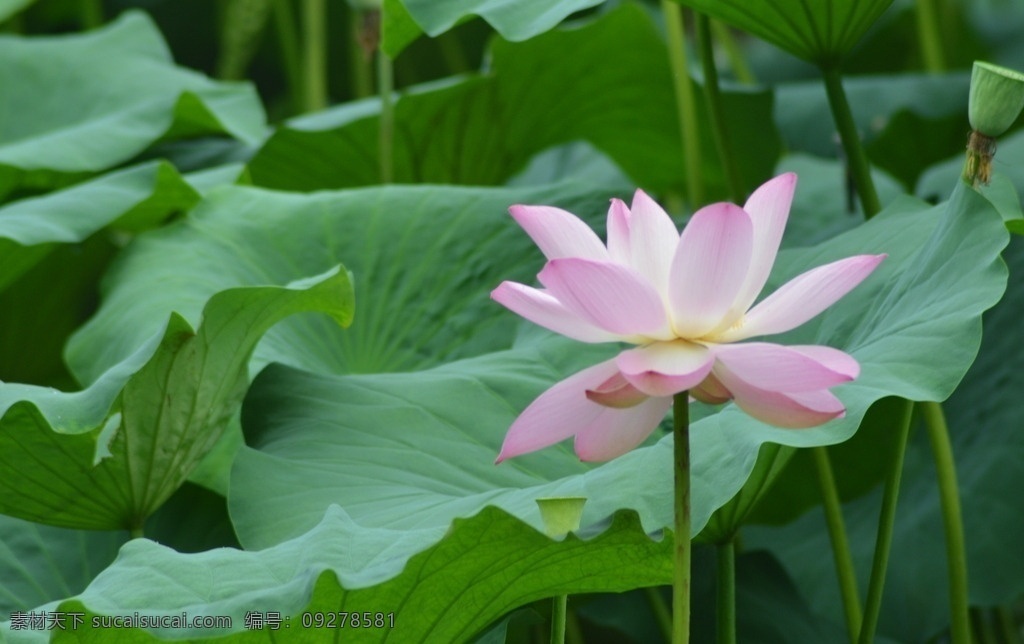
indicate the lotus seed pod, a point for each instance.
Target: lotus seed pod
{"x":997,"y":97}
{"x":561,"y":515}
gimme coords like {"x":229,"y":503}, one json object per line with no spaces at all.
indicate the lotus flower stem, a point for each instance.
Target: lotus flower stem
{"x":660,"y":610}
{"x":453,"y":54}
{"x":1008,"y":630}
{"x":361,"y":60}
{"x":929,"y":37}
{"x":725,"y":606}
{"x":314,"y":21}
{"x":984,"y":630}
{"x":385,"y":85}
{"x":91,"y":14}
{"x":949,"y":497}
{"x":686,"y":102}
{"x":681,"y":581}
{"x":286,"y":31}
{"x":558,"y":610}
{"x":855,"y":154}
{"x":840,"y":543}
{"x":886,"y":523}
{"x":738,"y":64}
{"x":714,"y":101}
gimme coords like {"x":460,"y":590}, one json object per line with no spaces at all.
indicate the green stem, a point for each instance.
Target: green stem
{"x":737,"y":62}
{"x":573,"y":630}
{"x":314,"y":26}
{"x":715,"y":109}
{"x":91,"y":14}
{"x":385,"y":86}
{"x":558,"y":606}
{"x":660,"y":610}
{"x":725,"y":606}
{"x":452,"y":54}
{"x":287,"y":37}
{"x":856,"y":157}
{"x":686,"y":102}
{"x":681,"y":580}
{"x":136,"y":532}
{"x":360,"y":64}
{"x":949,"y":496}
{"x":930,"y":37}
{"x":840,"y":543}
{"x":982,"y":629}
{"x":1009,"y":631}
{"x":886,"y":523}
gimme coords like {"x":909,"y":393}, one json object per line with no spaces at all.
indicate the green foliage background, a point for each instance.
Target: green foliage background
{"x":221,"y":332}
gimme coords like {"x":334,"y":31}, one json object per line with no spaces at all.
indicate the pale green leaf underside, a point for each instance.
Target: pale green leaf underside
{"x":819,"y":31}
{"x":517,"y":20}
{"x":10,"y":7}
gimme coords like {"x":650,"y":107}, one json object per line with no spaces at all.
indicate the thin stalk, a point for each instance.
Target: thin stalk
{"x":840,"y":543}
{"x":725,"y":606}
{"x":573,"y":630}
{"x":929,"y":36}
{"x":715,"y":109}
{"x":558,"y":606}
{"x":984,"y":632}
{"x":660,"y":610}
{"x":1008,"y":630}
{"x":949,"y":497}
{"x":385,"y":87}
{"x":886,"y":523}
{"x":91,"y":14}
{"x":136,"y":532}
{"x":738,"y":64}
{"x":855,"y":154}
{"x":360,"y":63}
{"x":686,"y":102}
{"x":452,"y":53}
{"x":681,"y":580}
{"x":314,"y":26}
{"x":288,"y":39}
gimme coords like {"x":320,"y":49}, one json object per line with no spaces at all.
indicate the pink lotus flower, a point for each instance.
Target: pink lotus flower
{"x":683,"y":300}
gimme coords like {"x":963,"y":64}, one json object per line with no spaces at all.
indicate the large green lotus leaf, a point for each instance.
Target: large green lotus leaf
{"x":984,"y":418}
{"x":819,"y":31}
{"x":316,"y":440}
{"x":479,"y":569}
{"x":432,"y":252}
{"x":132,"y":199}
{"x":108,"y":456}
{"x":513,"y":20}
{"x":482,"y":130}
{"x":127,"y":94}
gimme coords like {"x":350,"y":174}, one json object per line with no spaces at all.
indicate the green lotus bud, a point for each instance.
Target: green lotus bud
{"x":997,"y":97}
{"x":561,"y":515}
